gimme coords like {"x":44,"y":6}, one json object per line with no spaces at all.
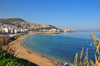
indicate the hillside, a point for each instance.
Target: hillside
{"x":22,"y":23}
{"x":50,"y":27}
{"x":10,"y":20}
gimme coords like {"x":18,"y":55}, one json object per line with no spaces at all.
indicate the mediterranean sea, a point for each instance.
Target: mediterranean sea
{"x":62,"y":46}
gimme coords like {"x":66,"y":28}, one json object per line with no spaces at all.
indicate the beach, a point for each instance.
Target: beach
{"x":26,"y":54}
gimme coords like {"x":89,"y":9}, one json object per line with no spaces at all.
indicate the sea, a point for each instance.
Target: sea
{"x":63,"y":46}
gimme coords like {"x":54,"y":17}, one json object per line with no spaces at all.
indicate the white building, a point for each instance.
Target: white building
{"x":59,"y":30}
{"x":44,"y":30}
{"x":2,"y":29}
{"x":25,"y":30}
{"x":53,"y":30}
{"x":12,"y":30}
{"x":50,"y":30}
{"x":15,"y":31}
{"x":5,"y":30}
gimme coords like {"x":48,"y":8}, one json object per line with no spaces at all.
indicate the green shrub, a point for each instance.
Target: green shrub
{"x":7,"y":59}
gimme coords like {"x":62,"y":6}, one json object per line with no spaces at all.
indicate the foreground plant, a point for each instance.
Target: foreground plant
{"x":7,"y":59}
{"x":87,"y":61}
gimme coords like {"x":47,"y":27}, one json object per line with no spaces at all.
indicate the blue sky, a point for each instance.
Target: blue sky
{"x":65,"y":14}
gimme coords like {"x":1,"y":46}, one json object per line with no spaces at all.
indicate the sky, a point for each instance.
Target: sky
{"x":64,"y":14}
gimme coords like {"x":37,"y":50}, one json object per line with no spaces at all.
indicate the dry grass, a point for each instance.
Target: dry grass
{"x":87,"y":61}
{"x":4,"y":44}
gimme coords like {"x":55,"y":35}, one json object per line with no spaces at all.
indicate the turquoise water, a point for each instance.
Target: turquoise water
{"x":62,"y":46}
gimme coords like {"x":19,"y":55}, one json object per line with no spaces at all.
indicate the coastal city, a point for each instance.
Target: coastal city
{"x":17,"y":25}
{"x":49,"y":32}
{"x":13,"y":28}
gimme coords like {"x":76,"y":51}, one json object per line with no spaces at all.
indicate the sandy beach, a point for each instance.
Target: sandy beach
{"x":24,"y":53}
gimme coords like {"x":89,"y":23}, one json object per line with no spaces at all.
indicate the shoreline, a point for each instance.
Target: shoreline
{"x":31,"y":55}
{"x":43,"y":55}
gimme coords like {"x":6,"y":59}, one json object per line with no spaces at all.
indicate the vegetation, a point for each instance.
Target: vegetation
{"x":3,"y":41}
{"x":7,"y":59}
{"x":10,"y":20}
{"x":87,"y":61}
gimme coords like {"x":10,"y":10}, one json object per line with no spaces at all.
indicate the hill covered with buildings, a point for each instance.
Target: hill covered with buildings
{"x":17,"y":25}
{"x":22,"y":23}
